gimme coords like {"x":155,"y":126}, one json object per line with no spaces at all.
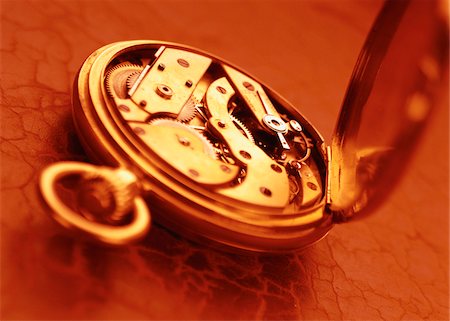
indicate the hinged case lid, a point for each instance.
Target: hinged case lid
{"x":388,"y":102}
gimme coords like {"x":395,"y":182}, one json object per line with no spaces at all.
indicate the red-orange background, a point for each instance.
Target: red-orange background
{"x":393,"y":265}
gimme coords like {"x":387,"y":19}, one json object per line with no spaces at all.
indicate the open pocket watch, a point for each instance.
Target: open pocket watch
{"x":219,"y":156}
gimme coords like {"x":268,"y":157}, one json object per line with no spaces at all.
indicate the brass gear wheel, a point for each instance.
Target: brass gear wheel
{"x":188,"y":111}
{"x":240,"y":125}
{"x":131,"y":79}
{"x":119,"y":77}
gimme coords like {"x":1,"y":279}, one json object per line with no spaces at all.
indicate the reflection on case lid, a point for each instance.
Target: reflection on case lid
{"x":386,"y":106}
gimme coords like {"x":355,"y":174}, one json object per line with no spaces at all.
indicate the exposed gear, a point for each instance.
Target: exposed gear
{"x":242,"y":128}
{"x":188,"y":111}
{"x":131,"y":79}
{"x":207,"y":147}
{"x":117,"y":78}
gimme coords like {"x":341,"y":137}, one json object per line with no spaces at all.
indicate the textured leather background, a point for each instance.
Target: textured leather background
{"x":393,"y":265}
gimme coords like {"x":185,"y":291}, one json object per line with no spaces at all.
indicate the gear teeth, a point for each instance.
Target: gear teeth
{"x":244,"y":128}
{"x":132,"y":79}
{"x":208,"y":146}
{"x":188,"y":111}
{"x":109,"y":85}
{"x":162,"y":120}
{"x":212,"y":151}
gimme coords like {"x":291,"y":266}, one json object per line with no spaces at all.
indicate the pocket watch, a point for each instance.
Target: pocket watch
{"x":214,"y":154}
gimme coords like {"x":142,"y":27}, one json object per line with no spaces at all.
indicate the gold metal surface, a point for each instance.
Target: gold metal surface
{"x":117,"y":81}
{"x":221,"y":156}
{"x":250,"y":207}
{"x":196,"y":162}
{"x":165,"y":89}
{"x":266,"y":182}
{"x":388,"y":103}
{"x":131,"y":231}
{"x":310,"y":185}
{"x":253,"y":94}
